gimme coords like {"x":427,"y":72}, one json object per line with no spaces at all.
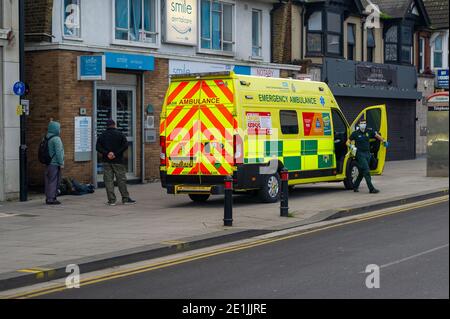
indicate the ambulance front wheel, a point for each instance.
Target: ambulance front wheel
{"x":271,"y":188}
{"x":351,"y":174}
{"x":199,"y":198}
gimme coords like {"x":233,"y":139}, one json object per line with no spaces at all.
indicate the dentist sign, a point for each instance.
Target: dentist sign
{"x":181,"y":22}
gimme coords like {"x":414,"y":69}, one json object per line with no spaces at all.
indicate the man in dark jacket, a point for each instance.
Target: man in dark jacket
{"x":112,"y":144}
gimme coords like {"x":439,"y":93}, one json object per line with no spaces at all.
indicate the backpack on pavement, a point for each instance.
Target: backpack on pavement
{"x":43,"y":153}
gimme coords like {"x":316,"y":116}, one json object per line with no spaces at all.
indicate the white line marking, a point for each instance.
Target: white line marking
{"x":414,"y":256}
{"x":7,"y":215}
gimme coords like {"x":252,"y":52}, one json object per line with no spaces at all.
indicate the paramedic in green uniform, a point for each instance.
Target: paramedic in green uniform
{"x":361,"y":147}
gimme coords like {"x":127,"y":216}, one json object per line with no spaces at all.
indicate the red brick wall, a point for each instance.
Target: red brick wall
{"x":38,"y":20}
{"x":281,"y":33}
{"x":56,"y":93}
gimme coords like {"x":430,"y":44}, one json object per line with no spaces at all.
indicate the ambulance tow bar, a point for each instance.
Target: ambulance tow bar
{"x":284,"y":202}
{"x":228,"y":202}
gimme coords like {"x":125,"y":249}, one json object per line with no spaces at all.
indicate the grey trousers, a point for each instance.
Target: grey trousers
{"x":120,"y":172}
{"x":52,"y":181}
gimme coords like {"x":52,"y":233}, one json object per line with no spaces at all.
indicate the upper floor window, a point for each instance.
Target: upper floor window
{"x":135,"y":20}
{"x":324,"y":26}
{"x":391,"y":44}
{"x":421,"y":54}
{"x":256,"y":33}
{"x":370,"y":45}
{"x":315,"y":32}
{"x":407,"y":39}
{"x":437,"y":52}
{"x":334,"y":33}
{"x":217,"y":25}
{"x":351,"y":41}
{"x":71,"y":19}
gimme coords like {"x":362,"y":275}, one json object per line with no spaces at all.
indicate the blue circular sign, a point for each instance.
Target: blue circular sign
{"x":19,"y":88}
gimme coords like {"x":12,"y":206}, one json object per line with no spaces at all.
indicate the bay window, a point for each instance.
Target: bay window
{"x":71,"y":19}
{"x":391,"y":44}
{"x":135,"y":20}
{"x":407,"y":39}
{"x":324,"y":28}
{"x":217,"y":25}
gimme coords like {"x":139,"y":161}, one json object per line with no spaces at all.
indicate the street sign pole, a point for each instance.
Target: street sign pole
{"x":23,"y":124}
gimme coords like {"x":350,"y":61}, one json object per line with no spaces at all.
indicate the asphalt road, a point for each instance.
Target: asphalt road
{"x":410,"y":247}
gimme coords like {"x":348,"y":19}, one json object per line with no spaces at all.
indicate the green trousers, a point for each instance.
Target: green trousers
{"x":120,"y":171}
{"x":362,"y":160}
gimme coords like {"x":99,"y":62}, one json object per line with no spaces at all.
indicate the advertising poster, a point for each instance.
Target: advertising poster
{"x":181,"y":22}
{"x":259,"y":123}
{"x":316,"y":124}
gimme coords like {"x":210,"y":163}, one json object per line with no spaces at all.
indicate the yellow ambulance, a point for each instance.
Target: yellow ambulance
{"x":219,"y":124}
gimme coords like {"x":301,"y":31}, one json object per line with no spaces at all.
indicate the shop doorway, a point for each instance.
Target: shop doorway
{"x":117,"y":103}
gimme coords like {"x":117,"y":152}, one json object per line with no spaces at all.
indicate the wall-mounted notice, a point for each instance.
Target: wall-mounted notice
{"x":181,"y":22}
{"x":83,"y":138}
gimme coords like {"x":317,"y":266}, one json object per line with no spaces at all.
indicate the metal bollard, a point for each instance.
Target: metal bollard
{"x":228,"y":206}
{"x":284,"y":203}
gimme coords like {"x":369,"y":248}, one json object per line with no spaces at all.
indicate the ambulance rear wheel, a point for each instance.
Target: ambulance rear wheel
{"x":271,"y":189}
{"x":199,"y":198}
{"x":351,"y":174}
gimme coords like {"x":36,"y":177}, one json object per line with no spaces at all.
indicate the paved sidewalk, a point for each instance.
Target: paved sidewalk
{"x":33,"y":234}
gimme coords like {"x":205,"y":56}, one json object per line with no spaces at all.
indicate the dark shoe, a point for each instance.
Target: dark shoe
{"x":53,"y":202}
{"x":128,"y":201}
{"x":111,"y":203}
{"x":374,"y":191}
{"x":356,"y":190}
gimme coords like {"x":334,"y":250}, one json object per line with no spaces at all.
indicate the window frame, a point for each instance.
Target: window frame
{"x":325,"y":33}
{"x":200,"y":49}
{"x":370,"y":48}
{"x":132,"y":43}
{"x":441,"y":51}
{"x":259,"y":48}
{"x":63,"y":20}
{"x":400,"y":44}
{"x":351,"y":45}
{"x":281,"y":123}
{"x":421,"y":66}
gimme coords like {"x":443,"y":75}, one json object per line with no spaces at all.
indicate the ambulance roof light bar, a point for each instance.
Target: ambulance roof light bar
{"x":201,"y":75}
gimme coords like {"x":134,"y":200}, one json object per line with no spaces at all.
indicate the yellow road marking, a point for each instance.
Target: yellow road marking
{"x":259,"y":242}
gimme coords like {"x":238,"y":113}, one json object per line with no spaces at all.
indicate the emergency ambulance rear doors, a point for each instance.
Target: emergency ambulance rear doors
{"x":376,"y":118}
{"x":199,"y":127}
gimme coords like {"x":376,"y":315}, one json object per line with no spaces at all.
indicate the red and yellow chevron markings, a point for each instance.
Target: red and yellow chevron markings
{"x":199,"y":127}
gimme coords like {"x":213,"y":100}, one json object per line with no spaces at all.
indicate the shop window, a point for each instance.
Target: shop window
{"x":256,"y":33}
{"x":217,"y":25}
{"x":437,"y":52}
{"x":407,"y":44}
{"x":351,"y":42}
{"x":289,"y":122}
{"x":370,"y":45}
{"x":334,"y":26}
{"x":391,"y":44}
{"x":135,"y":21}
{"x":72,"y":19}
{"x":314,"y":43}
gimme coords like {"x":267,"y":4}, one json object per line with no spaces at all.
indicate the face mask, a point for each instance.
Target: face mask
{"x":362,"y":127}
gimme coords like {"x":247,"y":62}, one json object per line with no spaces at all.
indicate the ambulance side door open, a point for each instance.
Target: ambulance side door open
{"x":376,"y":117}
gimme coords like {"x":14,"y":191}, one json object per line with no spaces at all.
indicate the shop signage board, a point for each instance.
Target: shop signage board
{"x":91,"y":67}
{"x":189,"y":67}
{"x":442,"y":78}
{"x":83,"y":138}
{"x":181,"y":22}
{"x":376,"y":74}
{"x":129,"y":61}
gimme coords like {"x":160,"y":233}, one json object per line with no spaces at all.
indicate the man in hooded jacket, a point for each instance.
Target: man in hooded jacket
{"x":53,"y":170}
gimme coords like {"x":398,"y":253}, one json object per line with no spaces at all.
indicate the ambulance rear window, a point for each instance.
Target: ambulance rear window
{"x":289,"y":122}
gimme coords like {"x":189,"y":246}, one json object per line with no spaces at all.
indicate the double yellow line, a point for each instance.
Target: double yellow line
{"x":233,"y":248}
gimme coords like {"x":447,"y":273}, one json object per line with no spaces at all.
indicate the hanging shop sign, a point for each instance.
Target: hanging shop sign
{"x":181,"y":22}
{"x":91,"y":67}
{"x":83,"y":138}
{"x":129,"y":61}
